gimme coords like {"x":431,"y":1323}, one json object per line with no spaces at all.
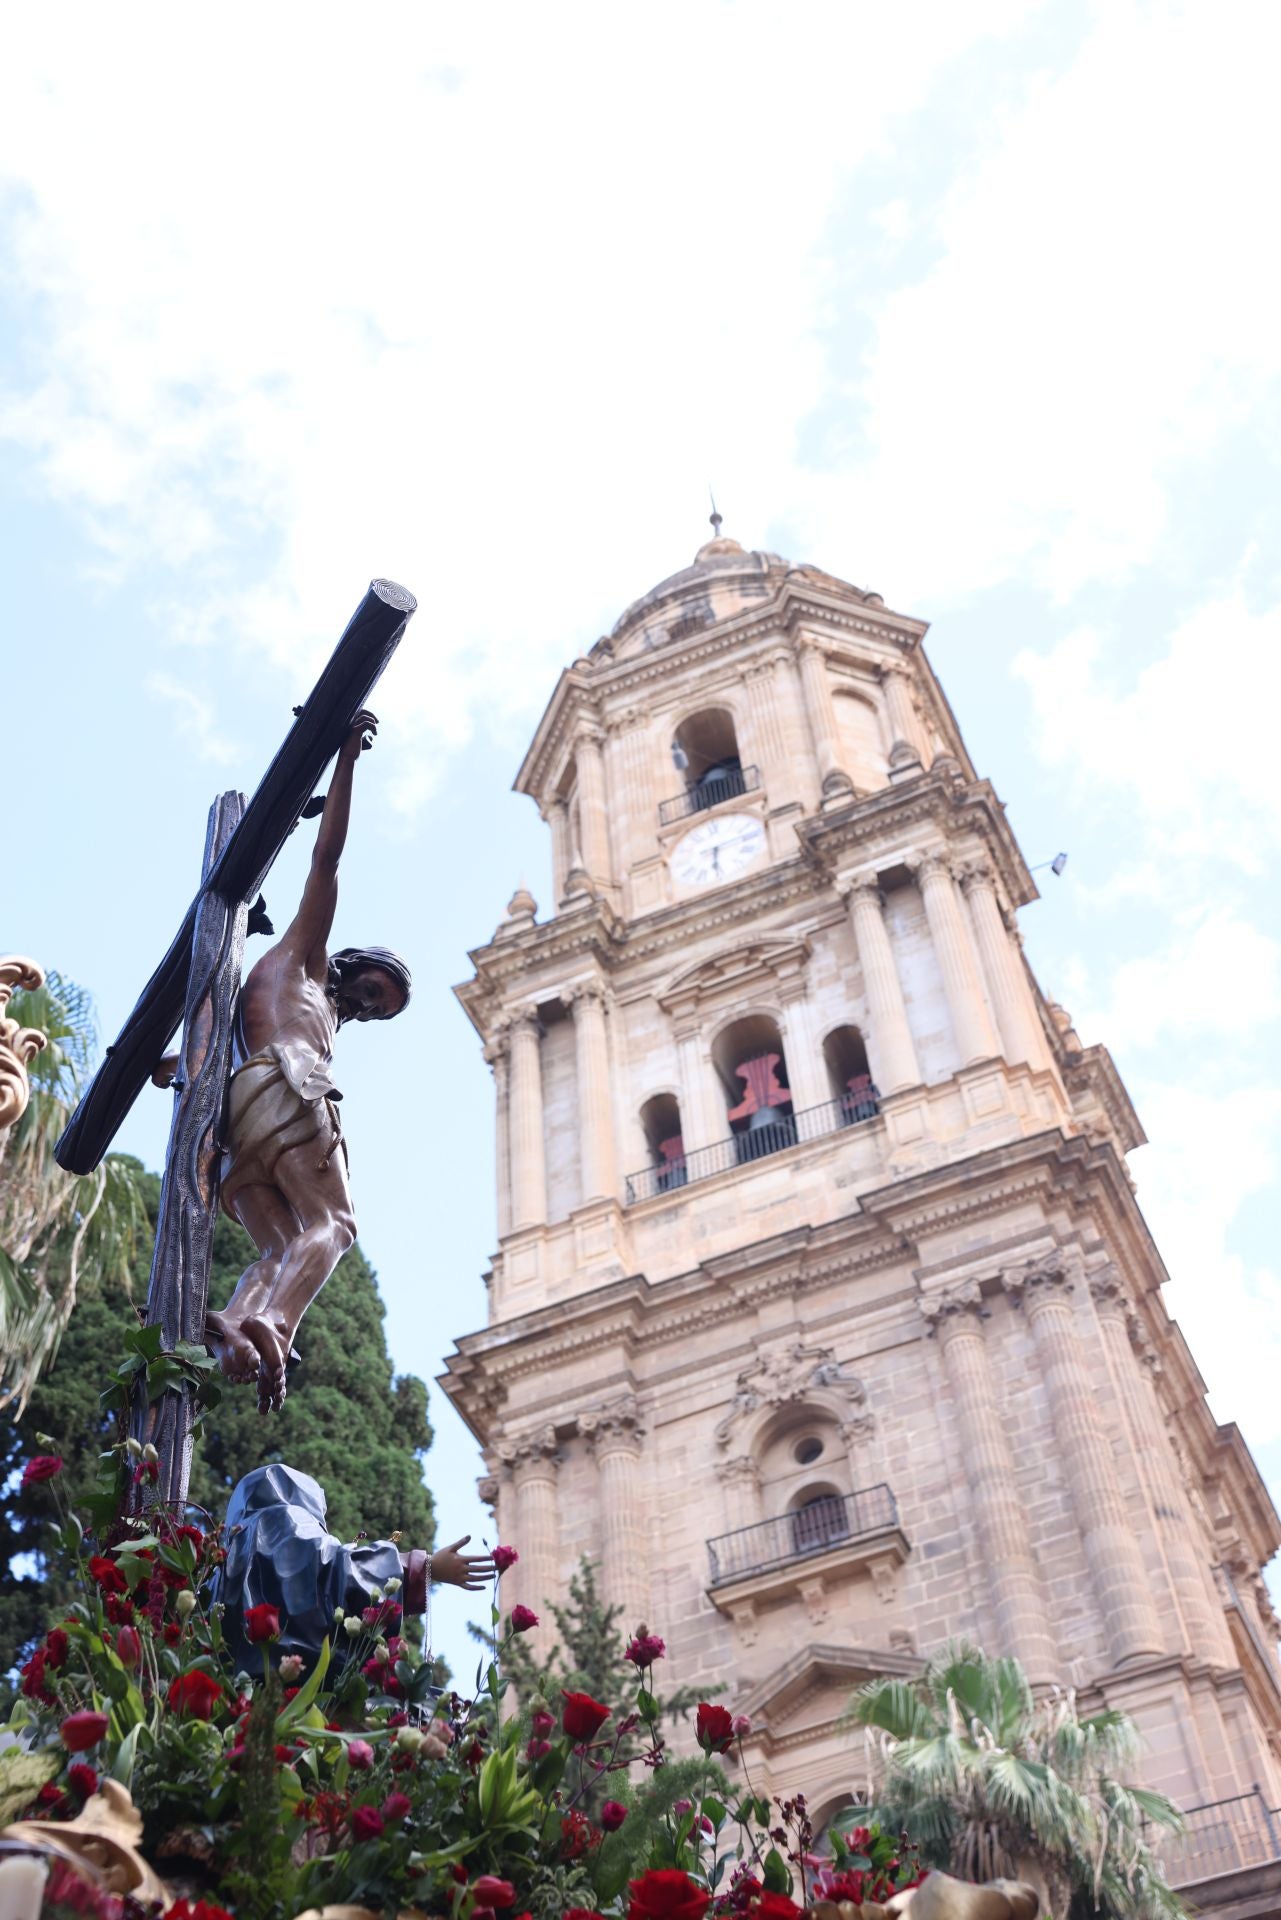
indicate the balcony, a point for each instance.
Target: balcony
{"x":727,"y":784}
{"x":1222,"y":1836}
{"x":834,"y":1536}
{"x":789,"y":1130}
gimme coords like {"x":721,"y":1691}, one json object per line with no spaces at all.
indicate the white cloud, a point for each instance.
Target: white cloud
{"x":193,"y":716}
{"x":1222,"y":979}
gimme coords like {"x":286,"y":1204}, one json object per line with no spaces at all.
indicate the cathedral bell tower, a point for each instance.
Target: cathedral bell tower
{"x":823,"y":1315}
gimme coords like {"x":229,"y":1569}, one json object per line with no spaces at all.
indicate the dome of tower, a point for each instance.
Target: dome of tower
{"x":723,"y":579}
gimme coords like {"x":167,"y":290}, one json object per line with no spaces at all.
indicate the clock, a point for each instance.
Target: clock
{"x":717,"y":850}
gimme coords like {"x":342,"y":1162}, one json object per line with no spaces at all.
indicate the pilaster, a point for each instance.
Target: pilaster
{"x":614,"y":1436}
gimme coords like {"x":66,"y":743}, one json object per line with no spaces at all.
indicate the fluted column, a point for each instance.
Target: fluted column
{"x":1120,"y":1582}
{"x":806,"y":1074}
{"x":525,"y":1129}
{"x":905,"y":731}
{"x":614,"y":1435}
{"x":891,"y":1054}
{"x":1021,"y":1036}
{"x":703,"y":1106}
{"x":556,"y":814}
{"x":593,"y":814}
{"x":531,"y":1463}
{"x":634,"y":811}
{"x":1205,"y":1632}
{"x":954,"y":951}
{"x":1018,"y":1600}
{"x":597,"y":1160}
{"x":819,"y":711}
{"x":768,"y":739}
{"x":496,"y":1054}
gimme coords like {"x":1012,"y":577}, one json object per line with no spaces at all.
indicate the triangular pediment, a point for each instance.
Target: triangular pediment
{"x":811,"y":1690}
{"x":734,"y":969}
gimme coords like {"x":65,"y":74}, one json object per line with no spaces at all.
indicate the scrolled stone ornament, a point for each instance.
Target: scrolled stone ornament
{"x":18,"y":1045}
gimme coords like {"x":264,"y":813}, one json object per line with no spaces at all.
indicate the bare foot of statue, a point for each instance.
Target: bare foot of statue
{"x":272,"y":1349}
{"x":238,"y":1357}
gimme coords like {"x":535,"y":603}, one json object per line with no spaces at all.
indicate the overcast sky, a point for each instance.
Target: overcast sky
{"x":975,"y":306}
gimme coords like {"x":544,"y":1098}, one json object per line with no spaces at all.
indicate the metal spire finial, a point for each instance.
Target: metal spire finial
{"x":714,"y":517}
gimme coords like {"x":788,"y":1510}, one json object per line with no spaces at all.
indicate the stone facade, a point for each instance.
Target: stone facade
{"x":882,"y":1358}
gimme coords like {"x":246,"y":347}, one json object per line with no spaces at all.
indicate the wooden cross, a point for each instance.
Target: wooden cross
{"x":196,"y":985}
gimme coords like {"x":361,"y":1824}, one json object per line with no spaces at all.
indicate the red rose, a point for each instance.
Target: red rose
{"x":44,"y":1467}
{"x":194,"y":1693}
{"x":366,"y":1823}
{"x":262,"y":1623}
{"x":523,"y":1618}
{"x":172,"y":1633}
{"x":644,"y":1648}
{"x":504,"y":1557}
{"x":119,"y":1612}
{"x":129,"y":1647}
{"x":583,"y":1913}
{"x":80,"y":1731}
{"x":396,"y":1806}
{"x":56,"y":1647}
{"x":492,"y":1892}
{"x":715,"y":1729}
{"x":82,"y":1779}
{"x":666,"y":1894}
{"x":107,"y":1574}
{"x":612,"y":1815}
{"x":775,"y":1906}
{"x":582,"y":1717}
{"x":538,"y":1749}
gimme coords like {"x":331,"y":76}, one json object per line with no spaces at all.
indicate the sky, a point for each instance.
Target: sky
{"x":974,"y":306}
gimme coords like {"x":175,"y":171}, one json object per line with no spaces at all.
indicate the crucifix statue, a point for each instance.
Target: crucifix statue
{"x":255,"y":1116}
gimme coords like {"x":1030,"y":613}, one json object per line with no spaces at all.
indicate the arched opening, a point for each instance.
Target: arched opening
{"x":753,"y":1071}
{"x":849,"y":1076}
{"x":819,"y":1520}
{"x":705,"y":750}
{"x":858,"y":727}
{"x":661,"y":1120}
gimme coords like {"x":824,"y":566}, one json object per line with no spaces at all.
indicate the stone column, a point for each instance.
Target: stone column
{"x":1003,"y":969}
{"x":891,"y":1054}
{"x":806,"y":1074}
{"x":556,"y":814}
{"x":525,"y":1100}
{"x":769,"y":746}
{"x":496,"y":1054}
{"x":614,"y":1436}
{"x":905,"y":731}
{"x":975,"y":1037}
{"x":819,"y":711}
{"x":598,"y":1163}
{"x":593,"y":813}
{"x":1120,"y":1582}
{"x":800,"y":769}
{"x":1205,"y":1632}
{"x":703,"y":1106}
{"x":531,"y":1462}
{"x":635,"y":807}
{"x":741,"y":1479}
{"x":1018,"y":1600}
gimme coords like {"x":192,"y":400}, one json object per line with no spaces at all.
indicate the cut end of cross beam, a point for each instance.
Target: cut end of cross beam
{"x":393,"y":596}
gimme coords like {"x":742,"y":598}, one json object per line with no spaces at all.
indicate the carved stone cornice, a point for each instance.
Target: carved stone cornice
{"x":18,"y":1045}
{"x":792,"y":1374}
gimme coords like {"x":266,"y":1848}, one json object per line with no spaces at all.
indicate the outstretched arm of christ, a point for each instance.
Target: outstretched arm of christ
{"x":307,"y":936}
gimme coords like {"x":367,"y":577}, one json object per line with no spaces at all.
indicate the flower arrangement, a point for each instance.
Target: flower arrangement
{"x":349,"y":1778}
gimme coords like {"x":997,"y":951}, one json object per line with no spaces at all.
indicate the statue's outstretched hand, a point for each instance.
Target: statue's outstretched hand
{"x":472,"y":1572}
{"x":363,"y":729}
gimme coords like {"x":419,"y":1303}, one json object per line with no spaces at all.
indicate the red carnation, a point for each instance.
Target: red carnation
{"x":492,"y":1892}
{"x":82,"y":1779}
{"x":396,"y":1806}
{"x":56,"y":1647}
{"x":666,"y":1894}
{"x":612,"y":1815}
{"x":366,"y":1823}
{"x":80,"y":1731}
{"x":262,"y":1623}
{"x":714,"y":1730}
{"x":504,"y":1557}
{"x":45,"y":1466}
{"x":583,"y":1717}
{"x":645,"y":1648}
{"x":194,"y":1693}
{"x":523,"y":1618}
{"x":107,"y":1574}
{"x":775,"y":1906}
{"x":129,"y":1647}
{"x":583,"y":1913}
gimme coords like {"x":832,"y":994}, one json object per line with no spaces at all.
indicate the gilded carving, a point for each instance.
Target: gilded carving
{"x":18,"y":1045}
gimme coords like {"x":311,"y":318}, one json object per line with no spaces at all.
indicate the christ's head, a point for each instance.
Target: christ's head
{"x":368,"y":983}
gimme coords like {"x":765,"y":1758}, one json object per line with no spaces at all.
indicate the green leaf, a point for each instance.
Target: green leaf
{"x":126,"y":1753}
{"x":194,"y":1355}
{"x":145,"y":1340}
{"x":713,"y":1809}
{"x":307,"y":1692}
{"x":777,"y":1878}
{"x":646,"y":1705}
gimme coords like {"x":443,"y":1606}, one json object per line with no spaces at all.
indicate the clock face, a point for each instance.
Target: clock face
{"x":718,"y":850}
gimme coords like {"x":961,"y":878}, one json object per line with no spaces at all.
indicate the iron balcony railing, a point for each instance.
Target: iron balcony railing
{"x":1221,"y":1836}
{"x":726,"y":786}
{"x":833,"y":1520}
{"x":789,"y":1130}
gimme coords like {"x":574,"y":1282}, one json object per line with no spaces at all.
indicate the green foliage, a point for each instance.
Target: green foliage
{"x":347,"y":1420}
{"x":994,"y":1782}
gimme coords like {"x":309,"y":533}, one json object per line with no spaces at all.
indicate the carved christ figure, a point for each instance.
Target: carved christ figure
{"x":284,"y":1163}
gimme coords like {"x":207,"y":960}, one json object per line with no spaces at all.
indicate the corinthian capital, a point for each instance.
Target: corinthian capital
{"x":531,"y":1452}
{"x":860,"y":887}
{"x":1046,"y":1278}
{"x":975,"y":876}
{"x":1108,"y":1291}
{"x":934,"y":862}
{"x":582,"y":990}
{"x":953,"y":1307}
{"x":616,"y":1425}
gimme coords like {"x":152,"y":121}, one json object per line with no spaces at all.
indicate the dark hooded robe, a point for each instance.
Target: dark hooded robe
{"x":281,"y":1554}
